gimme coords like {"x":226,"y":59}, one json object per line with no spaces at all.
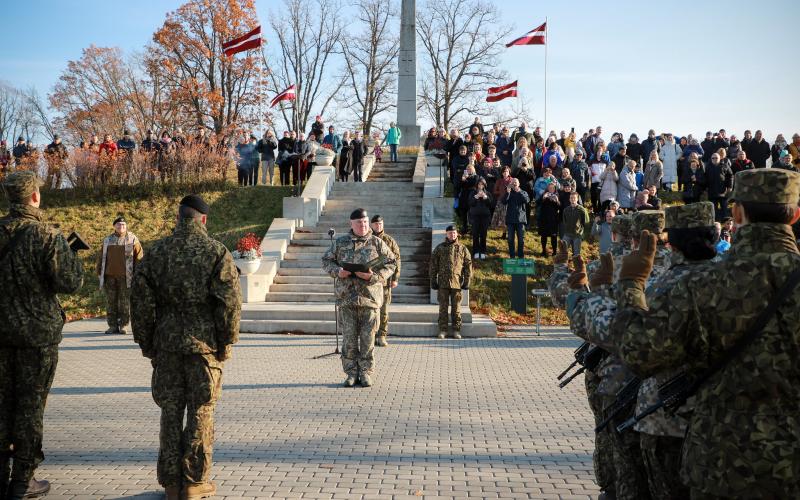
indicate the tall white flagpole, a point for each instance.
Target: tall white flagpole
{"x":546,"y":43}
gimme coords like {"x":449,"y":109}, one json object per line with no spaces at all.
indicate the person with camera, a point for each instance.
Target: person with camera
{"x":480,"y":215}
{"x":516,"y":200}
{"x":36,"y":264}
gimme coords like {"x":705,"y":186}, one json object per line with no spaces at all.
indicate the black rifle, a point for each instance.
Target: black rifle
{"x":674,"y":392}
{"x":579,"y":352}
{"x":588,"y":359}
{"x":626,"y":397}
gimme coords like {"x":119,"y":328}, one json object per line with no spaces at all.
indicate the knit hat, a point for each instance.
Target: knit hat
{"x":652,"y":220}
{"x":766,"y":185}
{"x":693,"y":215}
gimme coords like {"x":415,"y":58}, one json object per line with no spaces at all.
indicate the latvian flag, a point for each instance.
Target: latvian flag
{"x":500,"y":93}
{"x":286,"y":95}
{"x":537,"y":36}
{"x":247,"y":41}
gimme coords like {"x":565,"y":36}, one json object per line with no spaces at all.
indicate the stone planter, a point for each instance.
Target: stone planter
{"x":324,"y":157}
{"x":247,"y":266}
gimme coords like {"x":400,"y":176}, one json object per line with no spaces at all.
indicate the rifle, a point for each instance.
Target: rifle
{"x":674,"y":392}
{"x":579,"y":352}
{"x":589,"y":358}
{"x":624,"y":399}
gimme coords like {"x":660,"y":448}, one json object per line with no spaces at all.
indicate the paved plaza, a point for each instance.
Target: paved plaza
{"x":476,"y":418}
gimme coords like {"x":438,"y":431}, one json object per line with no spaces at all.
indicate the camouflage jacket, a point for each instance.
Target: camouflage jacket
{"x":451,"y":266}
{"x":744,"y":434}
{"x":352,"y":249}
{"x":395,"y":248}
{"x":185,"y":296}
{"x":41,"y":266}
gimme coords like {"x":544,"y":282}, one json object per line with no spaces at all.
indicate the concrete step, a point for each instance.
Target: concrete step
{"x":356,"y":187}
{"x":327,"y":280}
{"x":328,"y":288}
{"x":320,"y":311}
{"x":396,"y":329}
{"x":398,"y":233}
{"x":317,"y":256}
{"x":412,"y":245}
{"x":328,"y":297}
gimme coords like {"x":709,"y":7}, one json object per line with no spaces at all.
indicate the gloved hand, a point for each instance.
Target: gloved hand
{"x":577,"y":280}
{"x":224,"y":354}
{"x":604,"y":275}
{"x":638,"y":264}
{"x":561,"y":256}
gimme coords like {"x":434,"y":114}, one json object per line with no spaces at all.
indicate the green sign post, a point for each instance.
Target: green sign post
{"x":519,"y":269}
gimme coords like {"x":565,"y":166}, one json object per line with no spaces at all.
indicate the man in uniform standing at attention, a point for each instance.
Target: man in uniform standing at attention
{"x":36,"y":263}
{"x":186,"y":302}
{"x":376,"y":224}
{"x":359,"y":293}
{"x":116,"y":264}
{"x":450,"y":272}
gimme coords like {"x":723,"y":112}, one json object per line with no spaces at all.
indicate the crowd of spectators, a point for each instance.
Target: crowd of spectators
{"x":571,"y":185}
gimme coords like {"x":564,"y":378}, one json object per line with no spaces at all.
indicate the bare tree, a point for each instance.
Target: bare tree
{"x":371,"y":62}
{"x":516,"y":111}
{"x":308,"y":34}
{"x":39,"y":111}
{"x":10,"y":104}
{"x":462,"y":42}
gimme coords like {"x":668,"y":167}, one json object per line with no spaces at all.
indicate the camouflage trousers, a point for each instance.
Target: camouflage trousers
{"x":383,"y":329}
{"x":631,"y":481}
{"x":26,"y":375}
{"x":662,"y":461}
{"x":358,"y":325}
{"x":449,"y":298}
{"x":603,"y":457}
{"x":118,"y":297}
{"x":186,"y":385}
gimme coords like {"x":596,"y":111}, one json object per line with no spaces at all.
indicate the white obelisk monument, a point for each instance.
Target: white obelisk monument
{"x":407,"y":78}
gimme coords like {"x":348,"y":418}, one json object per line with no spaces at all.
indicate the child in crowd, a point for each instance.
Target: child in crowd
{"x":377,"y":150}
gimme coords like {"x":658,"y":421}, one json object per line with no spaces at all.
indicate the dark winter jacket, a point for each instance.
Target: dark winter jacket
{"x":515,"y":202}
{"x":693,"y":188}
{"x":648,"y":146}
{"x":719,"y":179}
{"x":549,"y":214}
{"x":479,"y":207}
{"x":636,"y":153}
{"x":266,"y":148}
{"x":580,"y":172}
{"x":758,"y":152}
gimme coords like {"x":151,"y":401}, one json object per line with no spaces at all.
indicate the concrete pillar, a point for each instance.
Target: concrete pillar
{"x":407,"y":78}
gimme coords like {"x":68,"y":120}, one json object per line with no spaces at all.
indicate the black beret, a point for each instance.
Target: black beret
{"x":376,"y":218}
{"x":120,"y":219}
{"x":358,"y":213}
{"x":196,"y":202}
{"x":450,"y":228}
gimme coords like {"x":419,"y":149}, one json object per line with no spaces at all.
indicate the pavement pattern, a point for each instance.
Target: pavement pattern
{"x":474,"y":418}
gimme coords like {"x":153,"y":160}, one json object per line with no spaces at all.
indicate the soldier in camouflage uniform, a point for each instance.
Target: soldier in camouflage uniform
{"x":450,"y":272}
{"x":376,"y":224}
{"x":661,"y":435}
{"x":359,"y":295}
{"x":117,"y":287}
{"x":590,"y":314}
{"x":36,"y":263}
{"x":186,"y":302}
{"x":743,"y":439}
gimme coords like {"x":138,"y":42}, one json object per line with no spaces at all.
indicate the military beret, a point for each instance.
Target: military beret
{"x":120,"y":219}
{"x":652,"y":220}
{"x":689,"y":216}
{"x":376,"y":218}
{"x":766,"y":185}
{"x":20,"y":185}
{"x":358,"y":213}
{"x":621,"y":224}
{"x":196,"y":202}
{"x":450,"y":228}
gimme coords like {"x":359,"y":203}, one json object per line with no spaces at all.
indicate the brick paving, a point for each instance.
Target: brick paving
{"x":476,"y":418}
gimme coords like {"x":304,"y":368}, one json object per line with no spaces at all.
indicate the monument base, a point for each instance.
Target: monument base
{"x":409,"y":135}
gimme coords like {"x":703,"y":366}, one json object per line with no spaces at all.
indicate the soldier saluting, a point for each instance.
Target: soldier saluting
{"x":36,"y":263}
{"x":186,"y":304}
{"x":361,"y":265}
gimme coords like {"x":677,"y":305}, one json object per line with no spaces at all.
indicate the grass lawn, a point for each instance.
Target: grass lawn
{"x":234,"y":211}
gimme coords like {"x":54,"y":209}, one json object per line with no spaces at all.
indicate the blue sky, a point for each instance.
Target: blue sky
{"x":682,"y":66}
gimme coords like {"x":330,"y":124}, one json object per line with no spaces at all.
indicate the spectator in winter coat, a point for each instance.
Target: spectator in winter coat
{"x":580,"y":172}
{"x":635,"y":150}
{"x":20,"y":150}
{"x":570,"y":145}
{"x":460,"y":162}
{"x":626,"y":187}
{"x":516,"y":202}
{"x":266,"y":147}
{"x":392,"y":138}
{"x":608,"y":186}
{"x":247,"y":155}
{"x":669,"y":155}
{"x":637,"y":171}
{"x":504,"y":147}
{"x":357,"y":153}
{"x":642,"y":201}
{"x":576,"y":220}
{"x":554,"y":152}
{"x":108,"y":147}
{"x":566,"y":186}
{"x":549,"y":218}
{"x":317,"y":128}
{"x":694,"y":182}
{"x":748,"y":138}
{"x":480,"y":215}
{"x":601,"y":229}
{"x":785,"y":162}
{"x":708,"y":146}
{"x":596,"y":170}
{"x":719,"y":179}
{"x":150,"y":143}
{"x":615,"y":145}
{"x":741,"y":163}
{"x":734,"y":148}
{"x":779,"y":145}
{"x":542,"y":182}
{"x":721,"y":141}
{"x":653,"y":198}
{"x":758,"y":150}
{"x":621,"y":158}
{"x":126,"y":145}
{"x":794,"y":150}
{"x":650,"y":144}
{"x":333,"y":140}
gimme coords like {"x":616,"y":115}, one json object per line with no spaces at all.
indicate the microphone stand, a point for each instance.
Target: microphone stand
{"x":331,"y":232}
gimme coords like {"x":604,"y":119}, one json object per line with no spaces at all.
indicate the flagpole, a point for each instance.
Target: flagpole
{"x":546,"y":43}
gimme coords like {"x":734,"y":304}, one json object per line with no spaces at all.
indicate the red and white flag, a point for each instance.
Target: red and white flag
{"x":247,"y":41}
{"x":537,"y":36}
{"x":286,"y":95}
{"x":500,"y":93}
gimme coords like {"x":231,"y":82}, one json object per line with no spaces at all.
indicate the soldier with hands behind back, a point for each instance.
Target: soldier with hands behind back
{"x":450,"y":272}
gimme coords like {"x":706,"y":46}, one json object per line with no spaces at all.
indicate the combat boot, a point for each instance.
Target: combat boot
{"x":17,"y":490}
{"x":457,"y":334}
{"x":122,"y":331}
{"x":607,"y":495}
{"x":112,"y":331}
{"x":366,"y":380}
{"x":199,"y":490}
{"x":350,"y":381}
{"x":172,"y":492}
{"x":380,"y":341}
{"x":442,"y":334}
